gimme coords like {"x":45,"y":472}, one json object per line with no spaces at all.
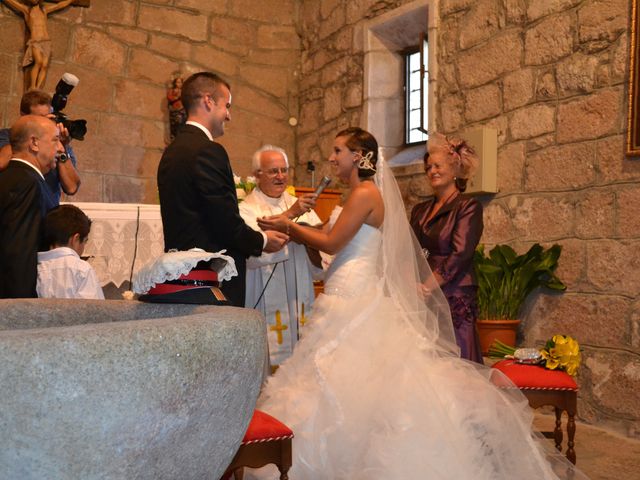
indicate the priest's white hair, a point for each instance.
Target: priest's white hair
{"x":255,"y":162}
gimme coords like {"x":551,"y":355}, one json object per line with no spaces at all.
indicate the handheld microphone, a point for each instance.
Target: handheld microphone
{"x":324,"y":183}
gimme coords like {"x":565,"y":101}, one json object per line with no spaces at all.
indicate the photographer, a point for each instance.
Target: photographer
{"x":65,"y":175}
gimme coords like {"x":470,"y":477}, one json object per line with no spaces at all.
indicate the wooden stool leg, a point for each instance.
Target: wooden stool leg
{"x":557,"y":432}
{"x":571,"y":433}
{"x":283,"y":473}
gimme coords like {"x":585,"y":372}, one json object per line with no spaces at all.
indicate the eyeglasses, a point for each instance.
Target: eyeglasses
{"x":272,"y":172}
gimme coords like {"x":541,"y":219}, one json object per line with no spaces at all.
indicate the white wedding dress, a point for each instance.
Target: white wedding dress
{"x":369,"y":395}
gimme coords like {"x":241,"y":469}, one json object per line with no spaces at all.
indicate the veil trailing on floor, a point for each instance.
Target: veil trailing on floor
{"x":404,"y":268}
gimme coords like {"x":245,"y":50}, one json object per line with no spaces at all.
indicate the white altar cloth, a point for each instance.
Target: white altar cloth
{"x":120,"y":232}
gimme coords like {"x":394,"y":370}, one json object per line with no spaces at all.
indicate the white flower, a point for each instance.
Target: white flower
{"x":251,"y":179}
{"x":237,"y":179}
{"x":240,"y":193}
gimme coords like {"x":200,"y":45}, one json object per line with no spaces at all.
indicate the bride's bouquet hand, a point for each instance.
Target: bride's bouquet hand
{"x":279,"y":223}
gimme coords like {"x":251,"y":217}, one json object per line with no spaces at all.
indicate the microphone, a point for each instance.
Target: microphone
{"x":324,"y":183}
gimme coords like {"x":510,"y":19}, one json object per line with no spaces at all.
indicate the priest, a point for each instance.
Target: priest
{"x":279,"y":284}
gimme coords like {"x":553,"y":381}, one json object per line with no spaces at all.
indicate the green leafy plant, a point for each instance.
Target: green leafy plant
{"x":505,"y":279}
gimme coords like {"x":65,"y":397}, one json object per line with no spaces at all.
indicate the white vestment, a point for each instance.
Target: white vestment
{"x":292,"y":279}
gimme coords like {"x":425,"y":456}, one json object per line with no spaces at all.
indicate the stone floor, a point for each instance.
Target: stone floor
{"x":601,"y":454}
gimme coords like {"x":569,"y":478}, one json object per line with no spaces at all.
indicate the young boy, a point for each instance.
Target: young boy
{"x":61,"y":271}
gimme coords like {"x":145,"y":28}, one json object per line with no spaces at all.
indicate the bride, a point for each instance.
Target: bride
{"x":375,"y":389}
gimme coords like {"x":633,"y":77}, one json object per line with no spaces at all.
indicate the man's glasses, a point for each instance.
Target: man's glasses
{"x":272,"y":172}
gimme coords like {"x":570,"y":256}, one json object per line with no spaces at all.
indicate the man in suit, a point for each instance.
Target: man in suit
{"x":198,"y":199}
{"x":65,"y":176}
{"x":24,"y":200}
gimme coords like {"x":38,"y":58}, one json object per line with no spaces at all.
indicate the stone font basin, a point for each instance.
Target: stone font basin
{"x":125,"y":390}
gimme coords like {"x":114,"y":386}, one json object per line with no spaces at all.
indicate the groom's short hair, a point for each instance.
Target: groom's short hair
{"x":200,"y":84}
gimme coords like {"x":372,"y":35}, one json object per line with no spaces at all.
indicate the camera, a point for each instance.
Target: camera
{"x":77,"y":128}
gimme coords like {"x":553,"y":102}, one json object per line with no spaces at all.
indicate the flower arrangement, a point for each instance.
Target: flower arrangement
{"x":244,"y":187}
{"x":561,"y":352}
{"x":291,"y":190}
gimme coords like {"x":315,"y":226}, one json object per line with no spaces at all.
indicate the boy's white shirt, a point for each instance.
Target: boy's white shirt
{"x":63,"y":274}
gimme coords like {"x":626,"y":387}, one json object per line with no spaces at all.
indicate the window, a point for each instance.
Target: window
{"x":416,"y":93}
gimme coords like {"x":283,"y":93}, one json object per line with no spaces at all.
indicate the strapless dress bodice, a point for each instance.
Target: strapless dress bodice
{"x":355,"y":269}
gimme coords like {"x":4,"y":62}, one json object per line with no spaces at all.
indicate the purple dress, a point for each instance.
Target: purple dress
{"x":451,"y":237}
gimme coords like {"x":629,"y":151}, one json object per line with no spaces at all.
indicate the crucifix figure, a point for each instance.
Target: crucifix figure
{"x":38,"y":47}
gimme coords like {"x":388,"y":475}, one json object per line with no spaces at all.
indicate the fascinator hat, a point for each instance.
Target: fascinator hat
{"x":458,"y":152}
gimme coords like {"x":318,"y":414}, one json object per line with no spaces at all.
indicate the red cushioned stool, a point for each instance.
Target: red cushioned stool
{"x":547,"y":387}
{"x":267,"y":441}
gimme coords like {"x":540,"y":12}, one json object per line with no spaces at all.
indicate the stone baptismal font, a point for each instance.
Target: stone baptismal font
{"x":122,"y":389}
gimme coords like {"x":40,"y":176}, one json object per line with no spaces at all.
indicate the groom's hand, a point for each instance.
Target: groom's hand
{"x":275,"y":241}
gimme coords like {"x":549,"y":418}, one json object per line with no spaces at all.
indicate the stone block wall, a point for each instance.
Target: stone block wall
{"x":124,"y":53}
{"x":332,"y":74}
{"x":551,"y":77}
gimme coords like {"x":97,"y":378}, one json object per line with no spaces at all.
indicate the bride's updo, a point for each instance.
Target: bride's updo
{"x":361,"y":141}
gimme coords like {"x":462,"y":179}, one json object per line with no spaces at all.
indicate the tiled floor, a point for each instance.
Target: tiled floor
{"x":601,"y":454}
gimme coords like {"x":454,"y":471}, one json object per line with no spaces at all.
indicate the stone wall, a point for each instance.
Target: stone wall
{"x":331,"y":79}
{"x":125,"y":51}
{"x":551,"y":78}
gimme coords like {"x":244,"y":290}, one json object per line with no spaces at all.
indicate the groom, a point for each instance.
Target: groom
{"x":198,"y":200}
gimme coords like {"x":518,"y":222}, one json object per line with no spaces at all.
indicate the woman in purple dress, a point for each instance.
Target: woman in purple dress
{"x":448,"y":227}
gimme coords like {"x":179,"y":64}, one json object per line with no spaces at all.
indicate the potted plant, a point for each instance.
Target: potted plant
{"x":505,"y":280}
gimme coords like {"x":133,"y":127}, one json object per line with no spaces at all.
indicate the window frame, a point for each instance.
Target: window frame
{"x":419,"y":49}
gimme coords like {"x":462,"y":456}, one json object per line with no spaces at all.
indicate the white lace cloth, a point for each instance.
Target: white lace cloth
{"x":113,"y":238}
{"x":170,"y":265}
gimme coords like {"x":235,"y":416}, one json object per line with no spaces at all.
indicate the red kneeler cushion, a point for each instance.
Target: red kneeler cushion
{"x":265,"y":428}
{"x":535,"y":377}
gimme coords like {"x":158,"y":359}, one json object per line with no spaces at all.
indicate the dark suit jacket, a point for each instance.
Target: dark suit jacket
{"x":199,"y":206}
{"x":451,"y":237}
{"x":24,"y":200}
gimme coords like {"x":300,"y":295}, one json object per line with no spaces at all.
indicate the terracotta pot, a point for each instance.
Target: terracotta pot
{"x":490,"y":330}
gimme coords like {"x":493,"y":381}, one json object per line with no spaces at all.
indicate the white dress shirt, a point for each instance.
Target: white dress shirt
{"x":63,"y":274}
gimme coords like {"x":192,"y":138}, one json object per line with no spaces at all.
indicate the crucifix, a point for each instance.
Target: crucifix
{"x":38,"y":47}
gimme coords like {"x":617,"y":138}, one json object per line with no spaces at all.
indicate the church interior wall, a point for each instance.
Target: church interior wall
{"x":550,"y":77}
{"x":125,"y":51}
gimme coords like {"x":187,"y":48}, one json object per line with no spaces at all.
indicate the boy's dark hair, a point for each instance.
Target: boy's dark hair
{"x":62,"y":223}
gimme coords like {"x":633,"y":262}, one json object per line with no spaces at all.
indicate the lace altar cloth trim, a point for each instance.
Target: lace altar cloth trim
{"x":112,"y":241}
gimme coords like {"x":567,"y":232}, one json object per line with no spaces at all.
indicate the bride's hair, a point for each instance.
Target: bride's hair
{"x":361,"y":141}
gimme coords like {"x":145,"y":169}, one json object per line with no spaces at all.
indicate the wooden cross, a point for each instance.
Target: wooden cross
{"x":38,"y":48}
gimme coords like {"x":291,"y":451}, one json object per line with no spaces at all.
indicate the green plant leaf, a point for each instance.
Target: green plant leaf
{"x":505,"y":279}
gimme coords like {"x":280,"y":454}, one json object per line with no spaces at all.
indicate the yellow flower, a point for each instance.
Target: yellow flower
{"x":291,"y":190}
{"x":562,"y":352}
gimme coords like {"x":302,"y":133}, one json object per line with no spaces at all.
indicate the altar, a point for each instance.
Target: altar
{"x":123,"y":238}
{"x":126,"y":236}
